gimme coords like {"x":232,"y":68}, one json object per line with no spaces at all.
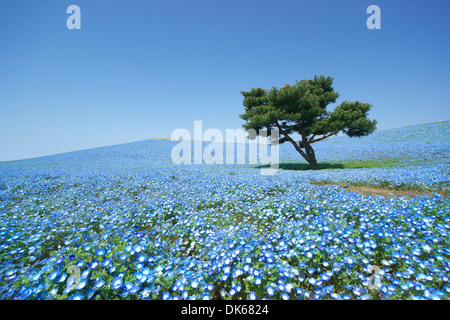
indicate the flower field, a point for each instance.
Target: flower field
{"x":124,"y":222}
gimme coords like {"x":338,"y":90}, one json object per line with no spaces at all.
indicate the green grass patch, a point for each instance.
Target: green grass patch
{"x":384,"y":188}
{"x":357,"y":164}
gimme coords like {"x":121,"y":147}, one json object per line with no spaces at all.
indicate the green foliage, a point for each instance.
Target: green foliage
{"x":302,"y":108}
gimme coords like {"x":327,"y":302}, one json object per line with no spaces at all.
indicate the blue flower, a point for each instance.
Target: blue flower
{"x":194,"y":284}
{"x":76,"y":296}
{"x":270,"y":290}
{"x":116,"y":283}
{"x":53,"y":275}
{"x":166,"y":296}
{"x":206,"y":296}
{"x":99,"y":283}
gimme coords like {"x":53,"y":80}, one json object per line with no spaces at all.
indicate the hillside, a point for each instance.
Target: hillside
{"x":138,"y":226}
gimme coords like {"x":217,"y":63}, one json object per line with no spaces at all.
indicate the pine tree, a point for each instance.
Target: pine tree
{"x":302,"y":108}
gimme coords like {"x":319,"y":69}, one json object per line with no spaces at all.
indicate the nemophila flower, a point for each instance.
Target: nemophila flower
{"x":252,"y":296}
{"x":84,"y":274}
{"x":134,"y":289}
{"x":106,"y":263}
{"x":72,"y":257}
{"x":90,"y":293}
{"x":258,"y":280}
{"x":194,"y":284}
{"x":53,"y":275}
{"x":166,"y":296}
{"x":226,"y":269}
{"x":237,"y":273}
{"x":80,"y":263}
{"x":123,"y":256}
{"x":365,"y":297}
{"x":93,"y":264}
{"x":324,"y":277}
{"x":81,"y":284}
{"x":127,"y":286}
{"x":101,"y":252}
{"x":99,"y":283}
{"x":116,"y":283}
{"x":61,"y":278}
{"x":52,"y":292}
{"x":270,"y":290}
{"x":76,"y":296}
{"x":145,"y":292}
{"x":285,"y":296}
{"x":289,"y":287}
{"x":206,"y":296}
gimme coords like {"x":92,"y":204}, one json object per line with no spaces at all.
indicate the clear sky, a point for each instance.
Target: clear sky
{"x":141,"y":69}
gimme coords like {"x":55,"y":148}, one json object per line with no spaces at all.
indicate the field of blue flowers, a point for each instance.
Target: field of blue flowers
{"x":123,"y":222}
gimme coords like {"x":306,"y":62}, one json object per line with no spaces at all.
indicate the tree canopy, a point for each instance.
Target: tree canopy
{"x":302,"y":108}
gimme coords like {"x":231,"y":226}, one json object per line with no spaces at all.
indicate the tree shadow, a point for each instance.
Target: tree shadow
{"x":306,"y":166}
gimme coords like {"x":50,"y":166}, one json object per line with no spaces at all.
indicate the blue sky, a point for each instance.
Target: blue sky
{"x":141,"y":69}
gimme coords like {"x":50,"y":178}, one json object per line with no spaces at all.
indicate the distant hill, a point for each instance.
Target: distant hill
{"x":413,"y":139}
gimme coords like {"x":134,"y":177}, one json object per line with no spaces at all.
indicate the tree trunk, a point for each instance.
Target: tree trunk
{"x":313,"y":163}
{"x":309,"y":154}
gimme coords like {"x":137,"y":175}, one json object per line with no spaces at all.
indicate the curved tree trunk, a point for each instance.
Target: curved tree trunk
{"x":313,"y":163}
{"x":308,"y":154}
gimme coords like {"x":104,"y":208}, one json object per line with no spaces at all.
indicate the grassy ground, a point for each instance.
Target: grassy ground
{"x":372,"y":163}
{"x":383,"y":191}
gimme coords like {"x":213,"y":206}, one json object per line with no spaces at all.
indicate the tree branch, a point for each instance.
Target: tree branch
{"x":325,"y":136}
{"x":291,"y":141}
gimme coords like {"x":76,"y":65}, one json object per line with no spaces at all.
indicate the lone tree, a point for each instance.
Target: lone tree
{"x":301,"y":108}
